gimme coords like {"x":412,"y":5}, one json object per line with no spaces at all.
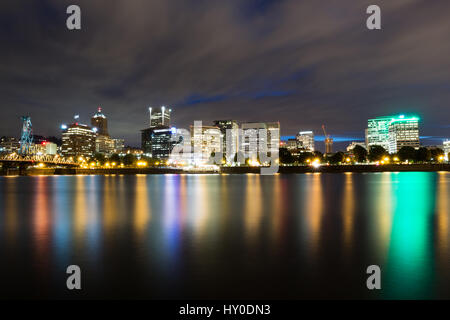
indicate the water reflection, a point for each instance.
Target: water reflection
{"x":10,"y":200}
{"x":410,"y":260}
{"x":253,"y":207}
{"x":443,"y":211}
{"x":188,"y":236}
{"x":142,"y":211}
{"x":348,"y":212}
{"x":313,"y":211}
{"x":41,"y":222}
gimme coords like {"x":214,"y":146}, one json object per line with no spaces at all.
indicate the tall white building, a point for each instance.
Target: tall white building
{"x":206,"y":141}
{"x":403,"y":132}
{"x":446,"y":149}
{"x":306,"y":140}
{"x":257,"y":137}
{"x":377,"y":133}
{"x":393,"y":133}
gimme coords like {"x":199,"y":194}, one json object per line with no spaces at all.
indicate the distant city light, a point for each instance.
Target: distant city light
{"x":63,"y":127}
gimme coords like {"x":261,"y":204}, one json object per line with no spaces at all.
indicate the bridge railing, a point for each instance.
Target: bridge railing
{"x":54,"y":159}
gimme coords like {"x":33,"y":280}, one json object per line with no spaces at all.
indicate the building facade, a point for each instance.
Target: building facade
{"x":393,"y":133}
{"x":159,"y":116}
{"x":229,"y":130}
{"x":306,"y":141}
{"x":377,"y":133}
{"x":104,"y":145}
{"x":78,"y":140}
{"x":9,"y":145}
{"x":158,"y":142}
{"x":257,"y":137}
{"x":446,"y":147}
{"x":403,"y":132}
{"x":100,"y":123}
{"x":206,"y":143}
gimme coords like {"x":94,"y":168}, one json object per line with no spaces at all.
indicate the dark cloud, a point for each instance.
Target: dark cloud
{"x":303,"y":63}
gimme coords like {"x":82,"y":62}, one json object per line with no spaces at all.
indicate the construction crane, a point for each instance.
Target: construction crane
{"x":328,"y":141}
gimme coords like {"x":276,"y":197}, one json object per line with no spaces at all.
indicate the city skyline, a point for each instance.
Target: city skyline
{"x":278,"y":71}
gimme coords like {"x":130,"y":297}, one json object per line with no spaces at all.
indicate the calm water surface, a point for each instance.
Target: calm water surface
{"x":226,"y":236}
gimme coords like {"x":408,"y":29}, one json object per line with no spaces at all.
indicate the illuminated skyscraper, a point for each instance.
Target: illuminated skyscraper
{"x":393,"y":133}
{"x":253,"y":140}
{"x":403,"y":132}
{"x":377,"y":133}
{"x":447,"y":150}
{"x":305,"y":141}
{"x":159,"y":116}
{"x":78,"y":140}
{"x":100,"y":122}
{"x":206,"y":141}
{"x":230,"y":137}
{"x":158,"y":142}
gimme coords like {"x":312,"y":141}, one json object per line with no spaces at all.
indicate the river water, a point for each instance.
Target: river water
{"x":291,"y":236}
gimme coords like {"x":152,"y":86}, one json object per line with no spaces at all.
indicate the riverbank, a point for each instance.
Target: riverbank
{"x":234,"y":170}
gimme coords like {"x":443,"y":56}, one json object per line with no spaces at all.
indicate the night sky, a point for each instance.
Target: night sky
{"x":303,"y":63}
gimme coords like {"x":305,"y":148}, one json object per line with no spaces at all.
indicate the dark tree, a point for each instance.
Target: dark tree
{"x":303,"y":157}
{"x":336,"y":158}
{"x":286,"y":156}
{"x":407,"y":153}
{"x":115,"y":158}
{"x":436,"y":153}
{"x":376,"y":153}
{"x":423,"y":155}
{"x":129,"y":159}
{"x":318,"y":154}
{"x":100,"y":158}
{"x":360,"y":153}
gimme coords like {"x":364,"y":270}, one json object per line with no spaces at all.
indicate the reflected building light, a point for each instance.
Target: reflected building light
{"x":198,"y":211}
{"x":41,"y":223}
{"x":142,"y":211}
{"x":80,"y":210}
{"x":348,"y":211}
{"x":253,"y":206}
{"x":443,"y":211}
{"x":314,"y":212}
{"x":277,"y":211}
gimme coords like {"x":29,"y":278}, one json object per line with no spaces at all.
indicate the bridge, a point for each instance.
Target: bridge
{"x":15,"y":159}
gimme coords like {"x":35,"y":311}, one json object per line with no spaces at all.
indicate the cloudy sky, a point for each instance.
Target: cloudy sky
{"x":303,"y":63}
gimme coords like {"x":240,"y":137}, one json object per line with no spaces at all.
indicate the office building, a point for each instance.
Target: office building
{"x":305,"y":141}
{"x":100,"y":123}
{"x":259,"y":137}
{"x":9,"y":145}
{"x":403,"y":132}
{"x":229,"y":130}
{"x":206,"y":142}
{"x":104,"y":145}
{"x":77,"y":140}
{"x":158,"y":142}
{"x":119,"y":145}
{"x":377,"y":133}
{"x":159,"y":117}
{"x":446,"y":148}
{"x":393,"y":133}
